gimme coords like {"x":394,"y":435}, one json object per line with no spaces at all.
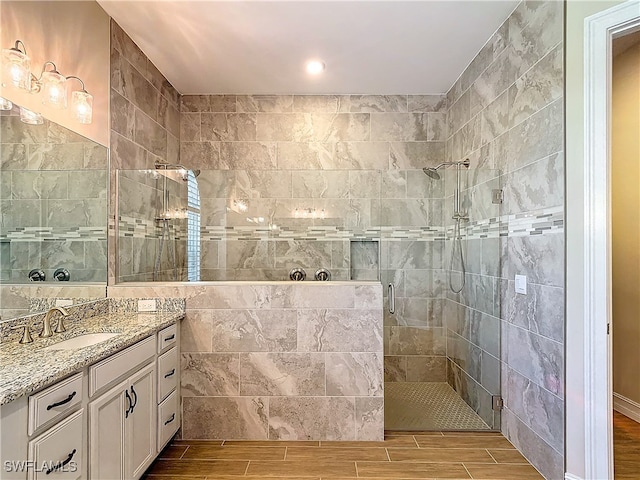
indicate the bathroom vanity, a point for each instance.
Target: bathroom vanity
{"x":103,"y":410}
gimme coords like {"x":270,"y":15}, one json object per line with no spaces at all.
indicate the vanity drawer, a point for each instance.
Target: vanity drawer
{"x":111,"y":369}
{"x":54,"y":402}
{"x":60,"y":446}
{"x":167,"y":337}
{"x":167,"y":373}
{"x":168,"y":419}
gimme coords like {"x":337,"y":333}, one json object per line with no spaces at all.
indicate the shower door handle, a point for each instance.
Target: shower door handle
{"x":391,"y":294}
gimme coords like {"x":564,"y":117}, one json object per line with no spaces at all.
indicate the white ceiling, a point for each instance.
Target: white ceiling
{"x":260,"y":47}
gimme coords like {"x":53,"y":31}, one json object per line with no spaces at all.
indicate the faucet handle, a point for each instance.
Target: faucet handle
{"x":26,"y":334}
{"x":60,"y":327}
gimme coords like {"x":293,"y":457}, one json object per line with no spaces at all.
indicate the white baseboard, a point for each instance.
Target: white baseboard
{"x":626,"y":406}
{"x":569,"y":476}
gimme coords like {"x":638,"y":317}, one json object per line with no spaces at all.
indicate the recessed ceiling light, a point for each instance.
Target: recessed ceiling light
{"x":314,"y":67}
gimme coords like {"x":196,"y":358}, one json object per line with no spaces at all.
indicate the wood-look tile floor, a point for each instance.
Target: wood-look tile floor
{"x":428,"y":455}
{"x":626,"y":447}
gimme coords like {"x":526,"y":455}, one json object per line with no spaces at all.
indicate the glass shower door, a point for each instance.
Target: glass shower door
{"x":442,"y":348}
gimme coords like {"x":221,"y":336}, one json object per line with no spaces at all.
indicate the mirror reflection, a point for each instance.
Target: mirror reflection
{"x":53,"y":215}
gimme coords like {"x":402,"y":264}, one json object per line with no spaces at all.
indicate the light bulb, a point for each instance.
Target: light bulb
{"x":315,"y":67}
{"x":54,"y":89}
{"x":16,"y":69}
{"x":82,"y":103}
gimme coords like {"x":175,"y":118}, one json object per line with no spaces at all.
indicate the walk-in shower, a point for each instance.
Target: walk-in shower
{"x":458,"y":215}
{"x":166,"y":214}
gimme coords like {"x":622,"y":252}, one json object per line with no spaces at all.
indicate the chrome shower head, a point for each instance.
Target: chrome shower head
{"x":432,"y":172}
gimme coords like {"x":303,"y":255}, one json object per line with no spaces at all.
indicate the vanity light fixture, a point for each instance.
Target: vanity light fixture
{"x":5,"y":104}
{"x":16,"y":67}
{"x":315,"y":67}
{"x":51,"y":83}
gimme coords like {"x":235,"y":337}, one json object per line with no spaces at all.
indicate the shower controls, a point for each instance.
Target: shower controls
{"x":62,"y":275}
{"x":297,"y":275}
{"x":497,"y":196}
{"x":323,"y":275}
{"x":37,"y":275}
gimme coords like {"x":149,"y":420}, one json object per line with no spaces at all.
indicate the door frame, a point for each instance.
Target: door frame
{"x":600,"y":30}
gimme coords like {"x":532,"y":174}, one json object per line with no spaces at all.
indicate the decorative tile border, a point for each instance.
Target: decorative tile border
{"x":45,"y":234}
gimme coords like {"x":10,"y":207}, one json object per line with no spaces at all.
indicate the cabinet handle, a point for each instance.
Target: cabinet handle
{"x":61,"y":464}
{"x":129,"y":408}
{"x":173,"y":370}
{"x":135,"y":398}
{"x":170,"y":337}
{"x":173,"y":417}
{"x":62,"y":402}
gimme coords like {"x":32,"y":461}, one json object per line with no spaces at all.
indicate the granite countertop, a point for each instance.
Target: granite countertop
{"x":28,"y":368}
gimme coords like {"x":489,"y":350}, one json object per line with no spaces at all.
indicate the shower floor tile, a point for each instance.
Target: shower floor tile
{"x":414,"y":406}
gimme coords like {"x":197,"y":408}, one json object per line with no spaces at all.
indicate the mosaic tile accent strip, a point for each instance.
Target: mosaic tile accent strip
{"x":43,"y":234}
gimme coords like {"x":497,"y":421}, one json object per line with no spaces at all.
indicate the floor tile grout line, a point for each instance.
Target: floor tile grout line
{"x":185,"y":451}
{"x":356,"y":465}
{"x":286,"y":449}
{"x":247,"y":469}
{"x":387,"y":452}
{"x":494,"y":458}
{"x":467,"y":470}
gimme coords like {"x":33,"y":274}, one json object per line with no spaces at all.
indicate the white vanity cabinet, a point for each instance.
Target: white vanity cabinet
{"x":122,"y":420}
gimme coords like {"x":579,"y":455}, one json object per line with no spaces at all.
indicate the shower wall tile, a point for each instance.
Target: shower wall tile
{"x":312,"y":418}
{"x":321,"y":184}
{"x":247,"y":156}
{"x":369,"y":418}
{"x":416,"y":155}
{"x":426,"y":368}
{"x":427,"y":103}
{"x":316,"y":127}
{"x":354,"y":374}
{"x":333,"y":156}
{"x":408,"y":127}
{"x":264,"y":103}
{"x":190,"y":127}
{"x":282,"y":374}
{"x":332,"y":330}
{"x":230,"y":127}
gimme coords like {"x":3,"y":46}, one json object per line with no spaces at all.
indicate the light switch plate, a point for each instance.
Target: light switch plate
{"x":63,"y":302}
{"x":521,"y":284}
{"x":147,"y":305}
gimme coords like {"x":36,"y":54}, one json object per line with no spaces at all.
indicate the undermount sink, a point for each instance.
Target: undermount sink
{"x":82,"y":341}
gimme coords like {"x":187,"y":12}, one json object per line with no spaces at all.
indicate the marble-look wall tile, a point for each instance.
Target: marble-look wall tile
{"x":254,"y":184}
{"x":316,"y":127}
{"x":354,"y":374}
{"x":538,"y":87}
{"x":422,"y":368}
{"x":247,"y":156}
{"x":333,"y":156}
{"x":208,"y":103}
{"x":416,"y":341}
{"x":190,"y":127}
{"x":399,"y":127}
{"x":535,"y":186}
{"x":542,"y":411}
{"x":312,"y":296}
{"x":228,"y":127}
{"x":311,"y":418}
{"x":416,"y":155}
{"x":254,"y":331}
{"x":377,"y":103}
{"x":536,"y":357}
{"x":369,"y":419}
{"x":209,"y":374}
{"x":243,"y":418}
{"x":150,"y":134}
{"x":320,"y":184}
{"x":541,"y":455}
{"x":282,"y":374}
{"x":427,"y":103}
{"x":493,"y":81}
{"x":395,"y":368}
{"x":230,"y":297}
{"x":330,"y":330}
{"x":368,"y":297}
{"x":539,"y":257}
{"x":265,"y":103}
{"x":540,"y":311}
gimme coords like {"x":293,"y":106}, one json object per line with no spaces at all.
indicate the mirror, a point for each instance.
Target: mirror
{"x":53,"y":216}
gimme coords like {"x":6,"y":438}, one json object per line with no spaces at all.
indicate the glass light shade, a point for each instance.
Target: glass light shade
{"x":54,"y":89}
{"x":16,"y":69}
{"x":82,"y":104}
{"x":32,"y":118}
{"x":5,"y":104}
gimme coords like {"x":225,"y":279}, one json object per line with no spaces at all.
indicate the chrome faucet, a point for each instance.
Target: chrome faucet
{"x":46,"y":328}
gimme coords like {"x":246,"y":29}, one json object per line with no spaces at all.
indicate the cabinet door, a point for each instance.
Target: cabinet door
{"x":107,"y":434}
{"x":140,"y":424}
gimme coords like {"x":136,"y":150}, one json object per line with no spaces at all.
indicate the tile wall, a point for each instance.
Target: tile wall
{"x":328,"y":181}
{"x":53,"y":199}
{"x":506,"y":115}
{"x":145,"y":130}
{"x":279,"y":361}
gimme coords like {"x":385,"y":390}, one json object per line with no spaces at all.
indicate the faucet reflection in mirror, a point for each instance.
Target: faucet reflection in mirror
{"x":16,"y":73}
